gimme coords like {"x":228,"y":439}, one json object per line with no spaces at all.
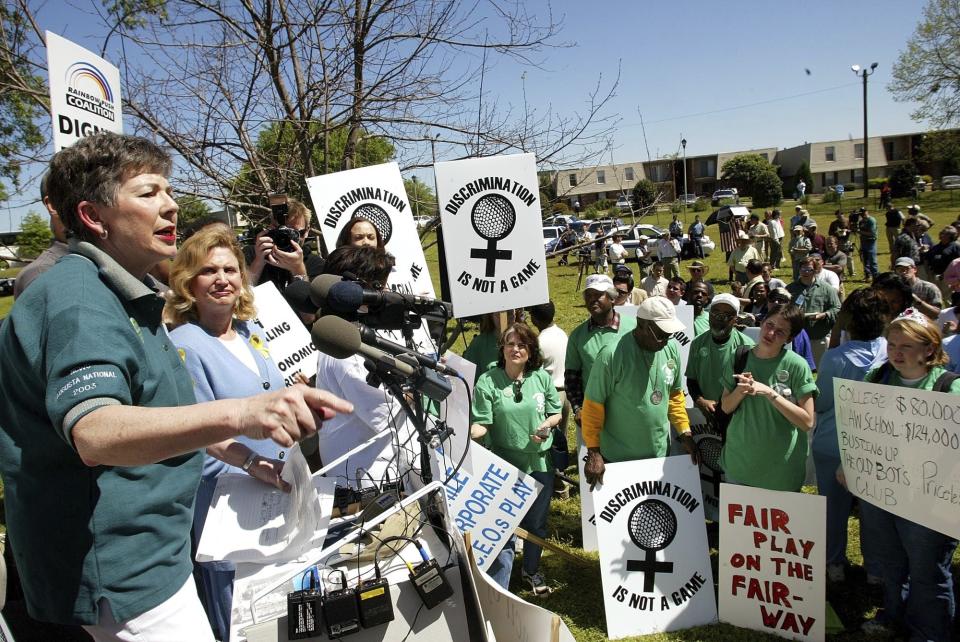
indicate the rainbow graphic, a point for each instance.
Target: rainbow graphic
{"x":82,"y":73}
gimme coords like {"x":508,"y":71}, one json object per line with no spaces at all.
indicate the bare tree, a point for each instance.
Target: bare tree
{"x":326,"y":77}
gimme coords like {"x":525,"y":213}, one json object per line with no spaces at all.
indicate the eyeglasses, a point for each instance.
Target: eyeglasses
{"x":514,"y":345}
{"x":517,"y":390}
{"x":621,"y":293}
{"x":806,"y":270}
{"x":722,"y":316}
{"x":658,"y":335}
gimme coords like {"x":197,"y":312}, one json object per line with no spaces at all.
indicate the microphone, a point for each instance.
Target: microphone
{"x":370,"y":337}
{"x":345,"y":297}
{"x":309,"y":297}
{"x":341,"y":339}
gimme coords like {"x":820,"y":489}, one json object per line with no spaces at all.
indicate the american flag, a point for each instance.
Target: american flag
{"x":729,"y":230}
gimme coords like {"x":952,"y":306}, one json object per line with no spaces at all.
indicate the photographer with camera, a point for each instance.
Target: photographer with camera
{"x":280,"y":253}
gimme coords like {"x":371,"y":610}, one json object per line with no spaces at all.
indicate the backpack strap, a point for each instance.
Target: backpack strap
{"x":944,"y":381}
{"x":881,"y":374}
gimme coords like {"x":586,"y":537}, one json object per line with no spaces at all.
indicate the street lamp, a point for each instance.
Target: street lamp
{"x":683,"y":143}
{"x":864,"y":73}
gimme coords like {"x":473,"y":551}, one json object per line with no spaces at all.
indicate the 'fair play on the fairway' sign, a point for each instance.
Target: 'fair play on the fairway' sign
{"x":654,"y":558}
{"x":84,"y":92}
{"x":773,"y":561}
{"x":490,"y":210}
{"x":375,"y":193}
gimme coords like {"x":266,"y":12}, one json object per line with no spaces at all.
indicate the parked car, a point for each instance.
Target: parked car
{"x":631,"y":239}
{"x":6,"y":287}
{"x":950,"y":182}
{"x":623,"y":204}
{"x":601,"y":226}
{"x":722,"y":194}
{"x":550,"y":236}
{"x":422,"y":221}
{"x":560,"y":219}
{"x":689,"y":199}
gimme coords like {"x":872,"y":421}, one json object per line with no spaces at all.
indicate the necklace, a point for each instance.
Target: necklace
{"x":656,"y":395}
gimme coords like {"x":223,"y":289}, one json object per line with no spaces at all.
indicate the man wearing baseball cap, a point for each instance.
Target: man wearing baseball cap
{"x":712,"y":355}
{"x":737,"y":263}
{"x":634,"y":394}
{"x":605,"y":326}
{"x":926,"y":295}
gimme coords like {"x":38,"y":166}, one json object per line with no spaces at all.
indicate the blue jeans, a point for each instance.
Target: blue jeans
{"x":868,"y":251}
{"x":917,"y":585}
{"x":839,"y":504}
{"x":535,"y":521}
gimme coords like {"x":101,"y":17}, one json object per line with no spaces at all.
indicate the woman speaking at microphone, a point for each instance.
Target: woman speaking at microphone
{"x":100,"y":436}
{"x":515,"y":408}
{"x":914,"y":560}
{"x":211,"y":305}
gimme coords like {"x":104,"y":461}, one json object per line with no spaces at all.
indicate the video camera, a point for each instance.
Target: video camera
{"x":282,"y":236}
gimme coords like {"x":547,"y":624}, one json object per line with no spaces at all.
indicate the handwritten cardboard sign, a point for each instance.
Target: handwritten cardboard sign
{"x":773,"y":561}
{"x":654,"y":558}
{"x":900,"y":450}
{"x":490,"y":210}
{"x":290,"y":345}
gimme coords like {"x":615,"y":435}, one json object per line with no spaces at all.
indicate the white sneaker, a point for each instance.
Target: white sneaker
{"x":835,"y":573}
{"x":537,"y":584}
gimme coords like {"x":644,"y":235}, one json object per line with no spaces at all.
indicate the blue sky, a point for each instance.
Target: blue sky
{"x":726,"y":76}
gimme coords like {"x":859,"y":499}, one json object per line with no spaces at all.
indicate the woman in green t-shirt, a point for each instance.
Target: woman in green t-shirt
{"x":910,"y":554}
{"x":515,"y":408}
{"x":771,"y":404}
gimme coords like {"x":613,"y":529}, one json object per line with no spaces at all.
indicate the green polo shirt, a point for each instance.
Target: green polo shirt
{"x":586,"y":341}
{"x":710,"y":363}
{"x":512,"y":421}
{"x":763,"y":449}
{"x":816,"y":297}
{"x":87,"y":334}
{"x":623,"y":379}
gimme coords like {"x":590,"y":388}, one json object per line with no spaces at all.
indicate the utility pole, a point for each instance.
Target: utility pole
{"x":683,"y":143}
{"x":865,"y":73}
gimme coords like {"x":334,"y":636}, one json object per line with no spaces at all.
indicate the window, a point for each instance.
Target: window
{"x":829,"y":153}
{"x":628,"y":173}
{"x":601,"y":177}
{"x":858,"y":150}
{"x":573,"y":180}
{"x":857,"y":176}
{"x":659,"y":173}
{"x":888,"y":149}
{"x":706,"y":168}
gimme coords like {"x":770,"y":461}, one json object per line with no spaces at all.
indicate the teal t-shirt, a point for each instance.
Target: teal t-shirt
{"x":484,"y":352}
{"x":626,"y":380}
{"x":511,"y":422}
{"x":585,"y":344}
{"x":85,"y":335}
{"x":763,"y":449}
{"x":710,"y":364}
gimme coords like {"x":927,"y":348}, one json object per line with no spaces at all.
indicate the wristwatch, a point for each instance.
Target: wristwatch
{"x":252,"y":457}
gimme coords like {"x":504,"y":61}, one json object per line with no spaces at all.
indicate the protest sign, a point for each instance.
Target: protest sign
{"x":487,"y":496}
{"x":455,"y":411}
{"x":773,"y":561}
{"x":588,"y":523}
{"x":899,"y":447}
{"x":84,"y":92}
{"x":490,"y":211}
{"x":290,"y":345}
{"x":654,"y":557}
{"x":709,"y":445}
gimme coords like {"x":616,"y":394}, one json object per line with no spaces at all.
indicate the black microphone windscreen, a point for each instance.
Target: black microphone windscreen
{"x":320,"y":287}
{"x":334,"y":336}
{"x":299,"y":295}
{"x":344,"y":297}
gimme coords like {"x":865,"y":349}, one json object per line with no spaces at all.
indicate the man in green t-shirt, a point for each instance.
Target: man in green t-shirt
{"x":634,"y":393}
{"x":605,"y":326}
{"x":712,"y":355}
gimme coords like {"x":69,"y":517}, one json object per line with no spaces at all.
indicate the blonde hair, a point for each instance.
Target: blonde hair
{"x":181,"y":306}
{"x":922,"y":332}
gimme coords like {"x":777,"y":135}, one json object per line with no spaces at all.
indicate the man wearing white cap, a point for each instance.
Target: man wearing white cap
{"x":712,"y":355}
{"x":634,"y":394}
{"x":605,"y":326}
{"x":737,"y":263}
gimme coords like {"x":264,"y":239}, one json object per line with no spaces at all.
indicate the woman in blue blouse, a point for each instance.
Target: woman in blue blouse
{"x":211,"y":305}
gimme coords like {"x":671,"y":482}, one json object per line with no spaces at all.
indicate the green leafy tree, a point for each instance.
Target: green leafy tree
{"x":644,"y":195}
{"x":191,"y":208}
{"x":942,"y":149}
{"x":902,"y":180}
{"x":927,"y":72}
{"x":35,"y":236}
{"x":423,"y":202}
{"x":754,"y":176}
